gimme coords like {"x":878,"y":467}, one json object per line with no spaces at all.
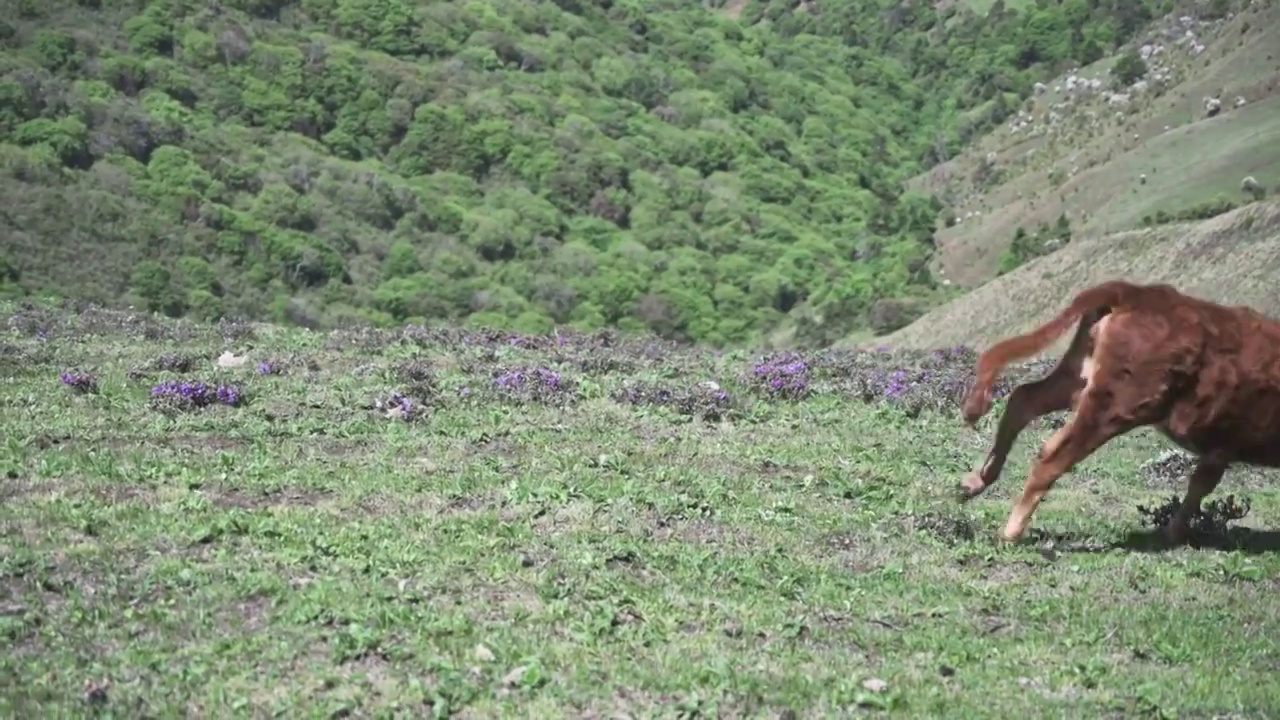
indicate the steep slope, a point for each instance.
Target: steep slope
{"x":1231,"y":258}
{"x":1107,"y":156}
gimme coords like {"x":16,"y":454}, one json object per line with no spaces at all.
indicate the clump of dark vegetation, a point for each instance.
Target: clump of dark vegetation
{"x":402,"y":407}
{"x":171,"y":363}
{"x":944,"y":527}
{"x":704,"y":401}
{"x":1201,"y":211}
{"x":271,"y":367}
{"x":235,"y":330}
{"x":80,"y":382}
{"x":1026,"y":247}
{"x":1172,"y":467}
{"x":419,"y":381}
{"x":1211,"y":521}
{"x":26,"y":324}
{"x":175,"y":363}
{"x":912,"y":381}
{"x":12,"y":358}
{"x":538,"y":385}
{"x":1168,"y":468}
{"x":419,"y":394}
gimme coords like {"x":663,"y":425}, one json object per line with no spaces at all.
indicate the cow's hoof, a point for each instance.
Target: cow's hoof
{"x":970,"y":488}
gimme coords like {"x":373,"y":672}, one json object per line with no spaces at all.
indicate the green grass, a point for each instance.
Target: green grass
{"x":1185,"y":167}
{"x":303,"y":554}
{"x":982,"y":7}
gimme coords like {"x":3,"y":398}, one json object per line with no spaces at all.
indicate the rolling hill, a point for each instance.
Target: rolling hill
{"x":1231,"y":258}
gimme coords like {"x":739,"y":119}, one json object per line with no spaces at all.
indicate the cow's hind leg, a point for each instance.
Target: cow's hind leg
{"x":1204,"y":479}
{"x":1053,"y":393}
{"x":1105,"y":411}
{"x":1026,"y":403}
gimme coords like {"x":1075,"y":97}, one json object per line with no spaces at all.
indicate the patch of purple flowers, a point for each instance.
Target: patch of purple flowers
{"x":196,"y":394}
{"x":267,"y":367}
{"x":913,"y":381}
{"x":401,"y":406}
{"x":535,"y":384}
{"x":782,"y":377}
{"x":80,"y":382}
{"x":515,"y":379}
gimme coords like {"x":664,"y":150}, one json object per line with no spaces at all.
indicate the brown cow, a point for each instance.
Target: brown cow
{"x":1207,"y":376}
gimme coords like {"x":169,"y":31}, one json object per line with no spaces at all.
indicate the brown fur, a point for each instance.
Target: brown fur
{"x":1207,"y":376}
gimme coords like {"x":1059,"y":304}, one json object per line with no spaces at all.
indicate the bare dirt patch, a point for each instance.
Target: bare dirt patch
{"x":994,"y":573}
{"x":436,"y":505}
{"x":549,"y":522}
{"x":120,"y":493}
{"x":229,"y":497}
{"x":503,"y":604}
{"x":338,"y":448}
{"x":190,"y":442}
{"x":14,"y":487}
{"x":47,"y":440}
{"x":702,"y":531}
{"x":216,"y":443}
{"x":947,"y":528}
{"x":856,"y":552}
{"x":249,"y":615}
{"x":498,"y":444}
{"x":479,"y":502}
{"x":627,"y":703}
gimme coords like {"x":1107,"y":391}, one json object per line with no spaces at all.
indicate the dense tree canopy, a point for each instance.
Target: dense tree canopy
{"x":704,"y":172}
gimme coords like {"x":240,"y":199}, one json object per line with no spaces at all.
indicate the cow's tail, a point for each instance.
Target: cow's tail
{"x":1100,"y":298}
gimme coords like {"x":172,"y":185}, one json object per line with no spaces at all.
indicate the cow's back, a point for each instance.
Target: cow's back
{"x":1232,"y":403}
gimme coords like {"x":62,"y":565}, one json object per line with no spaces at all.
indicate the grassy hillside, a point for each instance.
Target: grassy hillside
{"x":576,"y":527}
{"x":706,"y":172}
{"x":1106,"y":152}
{"x":1231,"y":258}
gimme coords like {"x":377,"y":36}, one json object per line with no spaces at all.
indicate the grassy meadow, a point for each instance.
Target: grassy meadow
{"x":434,"y":522}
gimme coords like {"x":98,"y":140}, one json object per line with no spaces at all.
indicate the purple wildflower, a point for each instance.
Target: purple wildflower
{"x":80,"y":382}
{"x":518,"y":379}
{"x":266,"y":367}
{"x":197,"y":393}
{"x":402,"y":406}
{"x":535,"y":384}
{"x":786,"y":377}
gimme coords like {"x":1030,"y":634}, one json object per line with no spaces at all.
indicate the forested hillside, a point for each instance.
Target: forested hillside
{"x":712,"y":173}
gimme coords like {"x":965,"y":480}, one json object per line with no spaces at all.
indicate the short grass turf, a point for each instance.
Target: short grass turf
{"x":647,"y":532}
